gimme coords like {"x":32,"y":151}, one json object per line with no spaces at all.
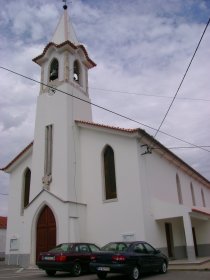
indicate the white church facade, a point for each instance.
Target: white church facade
{"x":84,"y":181}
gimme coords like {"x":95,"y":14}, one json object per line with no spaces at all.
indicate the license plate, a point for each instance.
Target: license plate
{"x":104,"y":268}
{"x":48,"y":258}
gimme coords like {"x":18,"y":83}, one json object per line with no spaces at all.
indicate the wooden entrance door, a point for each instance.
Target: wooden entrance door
{"x":46,"y":231}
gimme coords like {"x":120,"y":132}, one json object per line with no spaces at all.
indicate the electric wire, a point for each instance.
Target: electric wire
{"x":54,"y":89}
{"x":182,"y":79}
{"x":184,"y":147}
{"x":146,"y":94}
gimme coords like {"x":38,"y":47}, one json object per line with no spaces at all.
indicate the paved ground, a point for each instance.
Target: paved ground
{"x":11,"y":273}
{"x":197,"y":264}
{"x":182,"y":270}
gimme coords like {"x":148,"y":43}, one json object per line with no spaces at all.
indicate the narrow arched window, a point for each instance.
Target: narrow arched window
{"x":76,"y":75}
{"x":179,"y":191}
{"x":54,"y":66}
{"x":109,"y":174}
{"x":192,"y":194}
{"x":27,"y":182}
{"x":203,"y":198}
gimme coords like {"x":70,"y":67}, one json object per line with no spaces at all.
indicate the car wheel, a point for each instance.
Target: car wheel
{"x":50,"y":272}
{"x":77,"y":269}
{"x":135,"y":273}
{"x":163,"y":268}
{"x":101,"y":275}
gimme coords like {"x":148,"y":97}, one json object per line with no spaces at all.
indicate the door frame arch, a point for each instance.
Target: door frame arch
{"x":34,"y":229}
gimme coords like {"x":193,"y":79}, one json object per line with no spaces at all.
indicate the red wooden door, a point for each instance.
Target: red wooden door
{"x":46,"y":231}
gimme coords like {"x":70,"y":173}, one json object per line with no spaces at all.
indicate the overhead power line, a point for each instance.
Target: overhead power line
{"x":184,"y":147}
{"x":158,"y":130}
{"x":100,"y":107}
{"x":147,"y":94}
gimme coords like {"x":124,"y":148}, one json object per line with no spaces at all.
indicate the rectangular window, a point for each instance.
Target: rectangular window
{"x":14,"y":244}
{"x":48,"y":150}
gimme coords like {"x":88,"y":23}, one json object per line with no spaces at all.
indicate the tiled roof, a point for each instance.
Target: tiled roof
{"x":130,"y":130}
{"x":3,"y":222}
{"x":17,"y":157}
{"x":68,"y":43}
{"x":201,"y":210}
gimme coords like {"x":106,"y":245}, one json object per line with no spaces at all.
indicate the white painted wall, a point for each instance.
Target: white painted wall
{"x":161,"y":181}
{"x":109,"y":220}
{"x":15,"y":220}
{"x":202,"y":230}
{"x":152,"y":192}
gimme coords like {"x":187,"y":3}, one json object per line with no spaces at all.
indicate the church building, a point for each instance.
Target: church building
{"x":84,"y":181}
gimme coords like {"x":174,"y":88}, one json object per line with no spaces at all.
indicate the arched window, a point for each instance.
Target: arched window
{"x":27,"y":182}
{"x":109,"y":173}
{"x":179,"y":191}
{"x":203,"y":198}
{"x":77,"y":72}
{"x":54,"y":66}
{"x":193,"y":194}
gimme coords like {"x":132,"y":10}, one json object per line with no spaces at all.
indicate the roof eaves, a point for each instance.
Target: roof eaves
{"x":114,"y":128}
{"x":201,"y":211}
{"x":19,"y":156}
{"x":51,"y":44}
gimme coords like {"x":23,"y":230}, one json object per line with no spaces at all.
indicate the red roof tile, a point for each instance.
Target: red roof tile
{"x":201,"y":210}
{"x":131,"y":130}
{"x":3,"y":222}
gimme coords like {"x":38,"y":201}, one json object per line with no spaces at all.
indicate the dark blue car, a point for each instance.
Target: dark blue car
{"x":130,"y":258}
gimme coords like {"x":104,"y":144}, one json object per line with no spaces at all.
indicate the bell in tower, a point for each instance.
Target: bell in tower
{"x":54,"y":70}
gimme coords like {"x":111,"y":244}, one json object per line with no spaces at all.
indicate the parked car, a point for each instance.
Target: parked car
{"x":130,"y":258}
{"x":69,"y":257}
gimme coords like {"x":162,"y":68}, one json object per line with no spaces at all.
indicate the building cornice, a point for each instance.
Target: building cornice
{"x":67,"y":44}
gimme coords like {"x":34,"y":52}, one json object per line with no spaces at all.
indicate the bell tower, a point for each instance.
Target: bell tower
{"x":64,"y":65}
{"x":63,"y":98}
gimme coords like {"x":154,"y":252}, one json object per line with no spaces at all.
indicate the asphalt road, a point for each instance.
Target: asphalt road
{"x":17,"y":273}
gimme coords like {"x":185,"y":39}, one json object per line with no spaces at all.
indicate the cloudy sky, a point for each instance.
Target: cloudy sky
{"x":142,"y":49}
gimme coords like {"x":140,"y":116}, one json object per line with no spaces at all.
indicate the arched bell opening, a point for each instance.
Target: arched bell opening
{"x":54,"y":69}
{"x":77,"y":72}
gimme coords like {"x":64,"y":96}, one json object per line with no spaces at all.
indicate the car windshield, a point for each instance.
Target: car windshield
{"x":115,"y":246}
{"x":65,"y":247}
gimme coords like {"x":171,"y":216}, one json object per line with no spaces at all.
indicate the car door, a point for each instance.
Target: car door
{"x":153,"y":257}
{"x":83,"y":254}
{"x":139,"y":255}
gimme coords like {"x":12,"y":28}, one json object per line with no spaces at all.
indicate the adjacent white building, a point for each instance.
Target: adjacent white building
{"x":84,"y":181}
